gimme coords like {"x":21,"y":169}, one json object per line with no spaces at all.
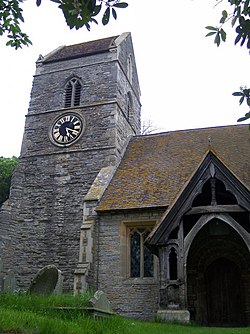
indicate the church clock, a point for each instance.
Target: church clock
{"x":66,"y":129}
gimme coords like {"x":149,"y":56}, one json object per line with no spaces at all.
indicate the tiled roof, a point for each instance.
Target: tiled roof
{"x":155,"y":168}
{"x":82,"y":49}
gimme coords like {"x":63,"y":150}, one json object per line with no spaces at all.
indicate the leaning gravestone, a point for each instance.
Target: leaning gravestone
{"x":9,"y":281}
{"x":59,"y":285}
{"x":47,"y":281}
{"x":99,"y":305}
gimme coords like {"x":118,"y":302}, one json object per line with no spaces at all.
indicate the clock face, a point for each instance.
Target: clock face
{"x":66,"y":129}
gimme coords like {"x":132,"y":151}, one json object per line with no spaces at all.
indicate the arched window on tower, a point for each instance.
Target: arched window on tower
{"x":130,"y":106}
{"x":129,"y":68}
{"x":73,"y":93}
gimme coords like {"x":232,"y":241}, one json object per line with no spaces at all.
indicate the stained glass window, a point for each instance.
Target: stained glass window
{"x":141,"y":259}
{"x":135,"y":243}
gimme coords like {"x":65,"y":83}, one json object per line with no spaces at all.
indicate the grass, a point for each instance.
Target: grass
{"x":35,"y":302}
{"x":26,"y":314}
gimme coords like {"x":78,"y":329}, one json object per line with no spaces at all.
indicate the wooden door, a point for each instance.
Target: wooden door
{"x":223,"y":293}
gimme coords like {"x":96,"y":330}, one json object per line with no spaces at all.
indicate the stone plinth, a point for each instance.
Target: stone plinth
{"x":182,"y":316}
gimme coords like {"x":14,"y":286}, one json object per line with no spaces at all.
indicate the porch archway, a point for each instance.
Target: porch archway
{"x":217,"y":275}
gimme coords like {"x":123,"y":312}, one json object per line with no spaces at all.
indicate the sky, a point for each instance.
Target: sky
{"x":186,"y":81}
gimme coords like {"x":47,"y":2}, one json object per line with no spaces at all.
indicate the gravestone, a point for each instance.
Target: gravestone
{"x":99,"y":304}
{"x":59,"y":285}
{"x":47,"y":281}
{"x":9,"y":282}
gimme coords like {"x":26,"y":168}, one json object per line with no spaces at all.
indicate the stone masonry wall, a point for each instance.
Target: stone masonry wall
{"x":40,"y":223}
{"x":132,"y":297}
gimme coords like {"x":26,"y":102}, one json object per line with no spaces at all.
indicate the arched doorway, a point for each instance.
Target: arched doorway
{"x":217,"y":276}
{"x":223,"y":293}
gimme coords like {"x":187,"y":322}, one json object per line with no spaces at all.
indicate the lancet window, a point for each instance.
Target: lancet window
{"x":141,"y":259}
{"x":129,"y":105}
{"x":73,"y":93}
{"x":129,"y":68}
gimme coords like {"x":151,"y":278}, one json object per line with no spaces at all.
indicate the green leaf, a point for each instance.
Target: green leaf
{"x":211,"y":28}
{"x":120,"y":5}
{"x":114,"y":14}
{"x":91,"y":4}
{"x":96,"y":10}
{"x":211,"y":33}
{"x":9,"y":42}
{"x":224,"y":16}
{"x":234,"y":19}
{"x":238,"y":94}
{"x":246,"y":7}
{"x":241,"y":100}
{"x":106,"y":16}
{"x":222,"y":20}
{"x":244,"y":118}
{"x":237,"y":39}
{"x":217,"y":39}
{"x":223,"y":35}
{"x":224,"y":13}
{"x":246,"y":92}
{"x":241,"y":20}
{"x":239,"y":30}
{"x":243,"y":40}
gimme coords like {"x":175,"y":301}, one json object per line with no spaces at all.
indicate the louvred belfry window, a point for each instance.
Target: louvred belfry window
{"x":73,"y":93}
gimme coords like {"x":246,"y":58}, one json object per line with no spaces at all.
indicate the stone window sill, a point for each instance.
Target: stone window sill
{"x":140,"y":281}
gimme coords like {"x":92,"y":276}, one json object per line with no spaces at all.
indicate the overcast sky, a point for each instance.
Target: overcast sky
{"x":186,"y":81}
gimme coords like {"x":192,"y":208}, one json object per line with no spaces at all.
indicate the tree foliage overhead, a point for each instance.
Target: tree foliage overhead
{"x":239,"y":19}
{"x":82,"y":13}
{"x":244,"y":95}
{"x":77,"y":13}
{"x":7,"y":166}
{"x":10,"y":19}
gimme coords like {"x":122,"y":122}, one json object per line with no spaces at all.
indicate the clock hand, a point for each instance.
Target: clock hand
{"x":67,"y":131}
{"x":72,"y":131}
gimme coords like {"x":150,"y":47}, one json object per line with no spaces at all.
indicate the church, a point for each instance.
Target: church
{"x":159,"y":222}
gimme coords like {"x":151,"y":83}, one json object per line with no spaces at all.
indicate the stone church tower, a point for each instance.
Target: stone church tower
{"x":85,"y":104}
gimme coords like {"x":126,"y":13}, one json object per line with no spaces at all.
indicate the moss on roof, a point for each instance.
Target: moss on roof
{"x":156,"y":167}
